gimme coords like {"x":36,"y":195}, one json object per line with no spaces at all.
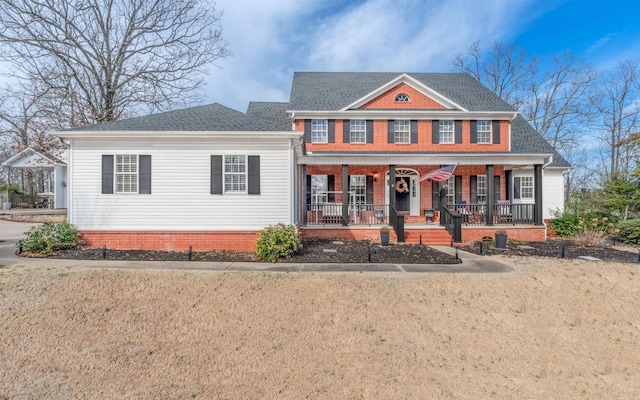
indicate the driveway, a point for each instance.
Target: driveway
{"x":10,"y":233}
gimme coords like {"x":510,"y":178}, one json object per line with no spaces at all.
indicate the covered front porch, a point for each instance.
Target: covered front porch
{"x":371,"y":195}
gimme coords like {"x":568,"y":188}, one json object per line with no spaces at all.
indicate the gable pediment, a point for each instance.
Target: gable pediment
{"x":419,"y":96}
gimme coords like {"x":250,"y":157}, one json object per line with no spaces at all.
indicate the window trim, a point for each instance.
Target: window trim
{"x":315,"y":131}
{"x":362,"y":132}
{"x":116,"y":174}
{"x":225,"y":174}
{"x":490,"y":132}
{"x":441,"y":125}
{"x":406,"y":124}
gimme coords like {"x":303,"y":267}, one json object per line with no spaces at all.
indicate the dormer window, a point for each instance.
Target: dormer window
{"x":402,"y":98}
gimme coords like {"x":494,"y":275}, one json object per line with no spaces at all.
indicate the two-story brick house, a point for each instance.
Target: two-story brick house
{"x":344,"y":156}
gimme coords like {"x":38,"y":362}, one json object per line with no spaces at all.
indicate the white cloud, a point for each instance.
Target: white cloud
{"x":270,"y":40}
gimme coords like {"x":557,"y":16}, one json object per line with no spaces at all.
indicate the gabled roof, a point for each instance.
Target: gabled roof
{"x":332,"y":91}
{"x":275,"y":113}
{"x":526,"y":140}
{"x":212,"y":117}
{"x":32,"y":158}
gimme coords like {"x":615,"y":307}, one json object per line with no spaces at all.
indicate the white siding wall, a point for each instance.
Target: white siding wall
{"x":552,"y":192}
{"x":180,"y":187}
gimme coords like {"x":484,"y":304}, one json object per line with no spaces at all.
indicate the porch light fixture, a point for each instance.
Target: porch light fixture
{"x":375,"y":177}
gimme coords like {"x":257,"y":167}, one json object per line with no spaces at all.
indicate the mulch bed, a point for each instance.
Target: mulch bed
{"x":554,"y":248}
{"x":313,"y":251}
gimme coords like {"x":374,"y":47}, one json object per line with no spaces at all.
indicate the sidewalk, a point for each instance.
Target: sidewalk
{"x":10,"y":233}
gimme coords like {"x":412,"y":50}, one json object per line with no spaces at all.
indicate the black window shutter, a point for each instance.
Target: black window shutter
{"x":458,"y":187}
{"x":458,"y":126}
{"x":390,"y":131}
{"x":369,"y":125}
{"x":496,"y":188}
{"x":516,"y":187}
{"x":496,"y":131}
{"x":473,"y":188}
{"x":308,"y":189}
{"x":331,"y":131}
{"x":253,"y":176}
{"x":435,"y":131}
{"x":507,"y":178}
{"x":107,"y":174}
{"x":369,"y":190}
{"x":474,"y":131}
{"x":331,"y":186}
{"x":144,"y":174}
{"x":346,"y":131}
{"x":307,"y":131}
{"x":414,"y":131}
{"x":216,"y":174}
{"x":435,"y":195}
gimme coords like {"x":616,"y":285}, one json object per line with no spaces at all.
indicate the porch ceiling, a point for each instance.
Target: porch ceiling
{"x":317,"y":158}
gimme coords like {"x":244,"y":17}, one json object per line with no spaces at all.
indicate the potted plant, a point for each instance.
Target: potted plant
{"x":384,"y":235}
{"x":501,"y":239}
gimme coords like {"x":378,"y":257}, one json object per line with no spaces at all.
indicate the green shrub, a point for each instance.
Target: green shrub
{"x":629,"y":231}
{"x":277,"y":241}
{"x":568,"y":224}
{"x":593,"y":232}
{"x":51,"y":236}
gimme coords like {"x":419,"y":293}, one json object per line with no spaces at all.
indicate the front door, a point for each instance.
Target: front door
{"x":403,"y":193}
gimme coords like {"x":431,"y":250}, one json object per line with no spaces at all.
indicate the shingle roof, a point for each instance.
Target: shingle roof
{"x":212,"y":117}
{"x":331,"y":91}
{"x":275,"y":113}
{"x":526,"y":140}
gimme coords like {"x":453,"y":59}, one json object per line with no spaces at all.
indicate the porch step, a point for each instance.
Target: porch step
{"x":430,"y":237}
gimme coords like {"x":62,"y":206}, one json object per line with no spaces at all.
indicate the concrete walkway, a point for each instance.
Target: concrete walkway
{"x":11,"y":232}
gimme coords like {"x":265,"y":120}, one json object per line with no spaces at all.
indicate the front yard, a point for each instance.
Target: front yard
{"x":551,"y":329}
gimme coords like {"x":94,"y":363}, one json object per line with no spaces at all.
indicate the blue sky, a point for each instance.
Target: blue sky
{"x":272,"y":39}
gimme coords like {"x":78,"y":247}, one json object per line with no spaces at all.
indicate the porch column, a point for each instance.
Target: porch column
{"x":537,"y":190}
{"x":345,"y":195}
{"x":392,"y":185}
{"x":490,"y":199}
{"x":305,"y":206}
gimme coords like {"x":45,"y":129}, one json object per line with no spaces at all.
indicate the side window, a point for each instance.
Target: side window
{"x":357,"y":131}
{"x":126,"y":173}
{"x":319,"y":131}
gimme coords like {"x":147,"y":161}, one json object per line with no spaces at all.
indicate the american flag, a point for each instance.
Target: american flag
{"x":441,"y":174}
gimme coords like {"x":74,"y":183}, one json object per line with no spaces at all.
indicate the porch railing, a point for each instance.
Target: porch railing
{"x":452,"y":222}
{"x":359,"y":214}
{"x":504,"y":213}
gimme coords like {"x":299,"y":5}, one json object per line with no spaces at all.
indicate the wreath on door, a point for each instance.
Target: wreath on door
{"x":401,"y":186}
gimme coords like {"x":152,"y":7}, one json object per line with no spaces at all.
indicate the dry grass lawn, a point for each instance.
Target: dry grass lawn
{"x":551,"y":329}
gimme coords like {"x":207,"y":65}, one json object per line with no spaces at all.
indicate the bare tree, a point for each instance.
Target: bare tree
{"x":558,"y":105}
{"x":110,"y":58}
{"x":616,"y":102}
{"x":503,"y":68}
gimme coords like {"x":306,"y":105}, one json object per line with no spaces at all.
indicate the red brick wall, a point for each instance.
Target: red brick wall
{"x":345,"y":234}
{"x":172,"y":240}
{"x":418,"y":100}
{"x":424,"y":140}
{"x":530,"y":234}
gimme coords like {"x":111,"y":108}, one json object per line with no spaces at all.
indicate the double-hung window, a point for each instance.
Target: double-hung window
{"x":319,"y":189}
{"x":126,"y":173}
{"x":481,"y":189}
{"x":235,"y":174}
{"x":402,"y":132}
{"x":484,"y":131}
{"x":357,"y":133}
{"x":319,"y":131}
{"x":446,"y":132}
{"x":526,"y":187}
